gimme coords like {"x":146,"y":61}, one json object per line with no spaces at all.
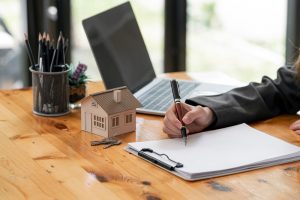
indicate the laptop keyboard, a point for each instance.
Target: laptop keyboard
{"x":160,"y":96}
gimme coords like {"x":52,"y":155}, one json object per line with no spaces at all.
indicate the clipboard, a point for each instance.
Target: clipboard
{"x":165,"y":166}
{"x":213,"y":153}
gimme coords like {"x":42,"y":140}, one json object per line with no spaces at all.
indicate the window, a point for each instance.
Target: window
{"x":12,"y":23}
{"x":115,"y":121}
{"x":128,"y":118}
{"x":99,"y":122}
{"x":94,"y":104}
{"x":243,"y":39}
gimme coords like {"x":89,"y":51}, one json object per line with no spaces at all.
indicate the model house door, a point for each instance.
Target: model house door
{"x":88,"y":122}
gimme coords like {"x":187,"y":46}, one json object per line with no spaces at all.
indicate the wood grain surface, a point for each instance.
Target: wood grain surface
{"x":50,"y":158}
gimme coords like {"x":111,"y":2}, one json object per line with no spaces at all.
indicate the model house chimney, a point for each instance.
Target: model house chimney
{"x":117,"y":96}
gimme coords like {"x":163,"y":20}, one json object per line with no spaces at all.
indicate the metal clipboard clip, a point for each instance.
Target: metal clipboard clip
{"x":161,"y":163}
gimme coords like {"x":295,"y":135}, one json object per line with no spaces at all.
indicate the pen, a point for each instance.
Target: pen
{"x":176,"y":96}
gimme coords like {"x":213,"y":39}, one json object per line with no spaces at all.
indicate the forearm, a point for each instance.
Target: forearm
{"x":232,"y":108}
{"x":256,"y":101}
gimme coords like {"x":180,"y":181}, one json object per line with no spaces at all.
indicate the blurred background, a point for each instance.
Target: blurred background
{"x":242,"y":39}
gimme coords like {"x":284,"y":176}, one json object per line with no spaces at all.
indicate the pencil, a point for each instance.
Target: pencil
{"x":47,"y":53}
{"x":66,"y":46}
{"x":40,"y":48}
{"x":58,"y":49}
{"x":53,"y":58}
{"x":63,"y":51}
{"x":44,"y":52}
{"x":51,"y":50}
{"x":29,"y":51}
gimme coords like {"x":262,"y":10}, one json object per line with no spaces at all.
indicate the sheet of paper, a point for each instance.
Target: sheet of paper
{"x":220,"y":149}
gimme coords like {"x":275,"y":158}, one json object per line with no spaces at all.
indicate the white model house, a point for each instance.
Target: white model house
{"x":109,"y":113}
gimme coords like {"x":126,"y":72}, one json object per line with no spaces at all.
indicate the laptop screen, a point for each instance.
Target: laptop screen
{"x":119,"y":48}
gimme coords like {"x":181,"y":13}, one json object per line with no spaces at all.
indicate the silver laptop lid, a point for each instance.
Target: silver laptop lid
{"x":119,"y":49}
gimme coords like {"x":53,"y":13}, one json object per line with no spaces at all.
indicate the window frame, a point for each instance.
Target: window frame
{"x":115,"y":121}
{"x":128,"y":119}
{"x":99,"y":122}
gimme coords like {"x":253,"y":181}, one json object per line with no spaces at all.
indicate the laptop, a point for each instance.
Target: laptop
{"x":123,"y":60}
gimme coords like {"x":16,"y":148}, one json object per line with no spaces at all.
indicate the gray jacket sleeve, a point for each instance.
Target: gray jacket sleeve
{"x":255,"y":101}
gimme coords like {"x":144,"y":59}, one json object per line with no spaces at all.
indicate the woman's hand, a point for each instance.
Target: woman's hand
{"x":296,"y":126}
{"x":196,"y":118}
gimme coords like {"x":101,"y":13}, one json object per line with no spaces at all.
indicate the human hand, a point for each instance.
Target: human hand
{"x":296,"y":126}
{"x":196,"y":118}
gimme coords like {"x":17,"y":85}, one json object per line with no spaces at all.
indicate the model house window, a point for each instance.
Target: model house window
{"x":115,"y":121}
{"x":128,"y":118}
{"x":99,"y":122}
{"x":94,"y":104}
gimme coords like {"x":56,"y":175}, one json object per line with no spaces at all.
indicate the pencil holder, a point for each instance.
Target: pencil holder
{"x":50,"y":91}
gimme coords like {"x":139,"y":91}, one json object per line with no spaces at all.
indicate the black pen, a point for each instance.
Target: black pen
{"x":176,"y":96}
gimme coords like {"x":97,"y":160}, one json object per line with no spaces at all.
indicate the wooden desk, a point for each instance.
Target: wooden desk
{"x":43,"y":158}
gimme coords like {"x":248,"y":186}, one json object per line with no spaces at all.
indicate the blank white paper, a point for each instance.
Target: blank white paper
{"x":221,"y":149}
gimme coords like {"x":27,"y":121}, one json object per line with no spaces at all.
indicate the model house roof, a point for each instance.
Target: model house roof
{"x":107,"y":100}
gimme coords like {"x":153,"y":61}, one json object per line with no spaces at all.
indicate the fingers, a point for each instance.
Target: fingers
{"x":171,"y":133}
{"x":190,"y":116}
{"x":171,"y":118}
{"x":297,"y":131}
{"x":296,"y":126}
{"x":196,"y":112}
{"x":196,"y":119}
{"x":170,"y":128}
{"x":171,"y":124}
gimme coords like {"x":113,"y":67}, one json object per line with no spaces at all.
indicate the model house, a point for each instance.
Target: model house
{"x":109,"y":113}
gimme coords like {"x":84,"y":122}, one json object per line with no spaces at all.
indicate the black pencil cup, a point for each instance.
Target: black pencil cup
{"x":50,"y":91}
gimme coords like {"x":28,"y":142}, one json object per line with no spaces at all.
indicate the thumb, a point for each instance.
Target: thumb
{"x":190,"y":116}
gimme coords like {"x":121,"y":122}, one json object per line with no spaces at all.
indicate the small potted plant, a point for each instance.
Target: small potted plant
{"x":77,"y":80}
